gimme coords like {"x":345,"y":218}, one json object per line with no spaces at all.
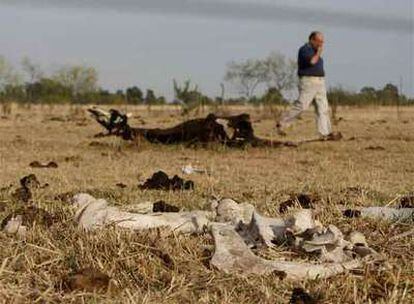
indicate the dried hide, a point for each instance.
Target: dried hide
{"x":233,"y":131}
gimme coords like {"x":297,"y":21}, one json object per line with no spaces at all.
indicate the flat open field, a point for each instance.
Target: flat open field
{"x":379,"y":160}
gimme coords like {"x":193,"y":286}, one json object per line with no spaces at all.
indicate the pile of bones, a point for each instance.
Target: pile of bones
{"x":237,"y":228}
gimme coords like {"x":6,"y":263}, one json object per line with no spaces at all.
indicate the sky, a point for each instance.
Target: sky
{"x":149,"y":43}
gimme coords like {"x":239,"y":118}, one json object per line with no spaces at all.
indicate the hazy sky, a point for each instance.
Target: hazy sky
{"x":150,"y":42}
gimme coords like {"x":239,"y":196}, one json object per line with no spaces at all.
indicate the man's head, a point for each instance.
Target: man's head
{"x":316,"y":40}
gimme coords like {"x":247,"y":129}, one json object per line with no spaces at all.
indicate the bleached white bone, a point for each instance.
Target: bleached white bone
{"x":15,"y":226}
{"x":232,"y":236}
{"x":232,"y":255}
{"x":94,"y":213}
{"x":228,"y":210}
{"x":388,"y":213}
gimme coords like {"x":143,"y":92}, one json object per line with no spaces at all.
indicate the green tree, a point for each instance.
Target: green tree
{"x":78,"y":79}
{"x":134,"y":95}
{"x":33,"y":73}
{"x":273,"y":96}
{"x":150,"y":98}
{"x":389,"y":94}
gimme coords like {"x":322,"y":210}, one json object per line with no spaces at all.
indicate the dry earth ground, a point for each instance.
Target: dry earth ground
{"x":154,"y":268}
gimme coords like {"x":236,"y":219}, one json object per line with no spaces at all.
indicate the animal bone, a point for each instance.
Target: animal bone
{"x":263,"y":230}
{"x":94,"y":213}
{"x":228,"y":210}
{"x":307,"y":235}
{"x":189,"y":169}
{"x":300,"y":221}
{"x":14,"y":226}
{"x":233,"y":236}
{"x":232,"y":255}
{"x":383,"y":213}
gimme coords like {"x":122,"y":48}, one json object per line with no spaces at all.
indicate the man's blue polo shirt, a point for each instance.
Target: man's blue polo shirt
{"x":305,"y":68}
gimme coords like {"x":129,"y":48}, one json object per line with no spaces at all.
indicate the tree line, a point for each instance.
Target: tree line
{"x":257,"y":81}
{"x":67,"y":84}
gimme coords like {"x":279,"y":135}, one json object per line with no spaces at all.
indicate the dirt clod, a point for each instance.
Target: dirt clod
{"x":162,"y":206}
{"x":407,"y":201}
{"x":24,"y":193}
{"x":300,"y":296}
{"x":352,"y":213}
{"x":161,"y":181}
{"x":88,"y":279}
{"x":305,"y":201}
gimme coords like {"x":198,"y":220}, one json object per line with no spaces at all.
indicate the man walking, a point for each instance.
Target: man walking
{"x":311,"y":88}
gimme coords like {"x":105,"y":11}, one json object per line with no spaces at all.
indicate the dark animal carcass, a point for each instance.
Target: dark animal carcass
{"x":211,"y":129}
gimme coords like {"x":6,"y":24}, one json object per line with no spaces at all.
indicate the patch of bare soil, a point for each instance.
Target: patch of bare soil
{"x":88,"y":279}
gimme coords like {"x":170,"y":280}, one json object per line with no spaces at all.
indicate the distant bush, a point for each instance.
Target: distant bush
{"x":388,"y":95}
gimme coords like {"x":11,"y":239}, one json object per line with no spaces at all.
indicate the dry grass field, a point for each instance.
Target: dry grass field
{"x":376,"y":155}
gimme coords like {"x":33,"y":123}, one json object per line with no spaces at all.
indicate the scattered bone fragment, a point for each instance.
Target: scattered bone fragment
{"x":302,"y":233}
{"x":301,"y":221}
{"x":20,"y":220}
{"x":263,"y":230}
{"x":238,"y":227}
{"x":15,"y":226}
{"x":141,"y":208}
{"x":382,"y":213}
{"x":29,"y":216}
{"x":228,"y":210}
{"x":232,"y":255}
{"x":189,"y":169}
{"x":94,"y":213}
{"x":357,"y":239}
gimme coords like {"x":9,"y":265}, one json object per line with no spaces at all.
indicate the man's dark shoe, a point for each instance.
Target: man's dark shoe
{"x":334,"y":136}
